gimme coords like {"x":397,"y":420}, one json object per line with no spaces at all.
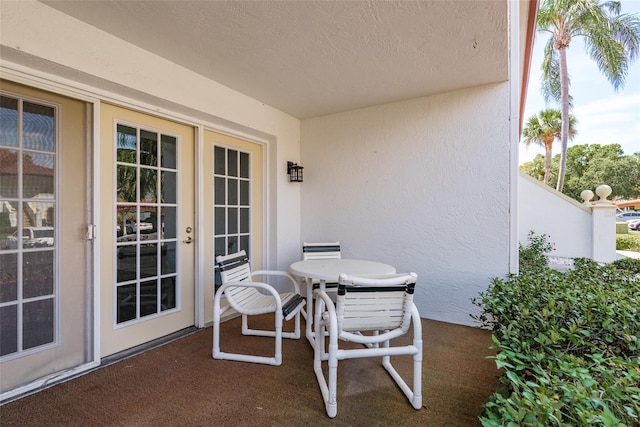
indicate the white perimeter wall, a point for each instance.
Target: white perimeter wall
{"x":546,"y":211}
{"x":422,"y":185}
{"x":74,"y":54}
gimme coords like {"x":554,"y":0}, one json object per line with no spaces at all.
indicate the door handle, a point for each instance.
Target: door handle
{"x":188,"y":240}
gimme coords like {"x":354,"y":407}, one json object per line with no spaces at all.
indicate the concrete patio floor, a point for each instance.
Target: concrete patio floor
{"x":180,"y":384}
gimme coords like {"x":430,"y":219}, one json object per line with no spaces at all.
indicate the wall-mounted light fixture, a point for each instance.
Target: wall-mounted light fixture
{"x":294,"y":171}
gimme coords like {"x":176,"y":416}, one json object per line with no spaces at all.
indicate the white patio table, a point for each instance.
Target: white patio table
{"x":328,"y":270}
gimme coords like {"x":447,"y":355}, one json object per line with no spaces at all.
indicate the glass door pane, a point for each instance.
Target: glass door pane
{"x":146,"y":223}
{"x":231,"y":207}
{"x":28,"y":150}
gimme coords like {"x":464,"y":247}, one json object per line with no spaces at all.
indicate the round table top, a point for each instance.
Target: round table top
{"x":330,"y":269}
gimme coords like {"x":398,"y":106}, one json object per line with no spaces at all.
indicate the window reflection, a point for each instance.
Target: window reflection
{"x":148,"y":298}
{"x":8,"y":277}
{"x":232,"y":221}
{"x":146,"y":222}
{"x":38,"y":274}
{"x":126,"y":191}
{"x":148,"y":185}
{"x":127,"y":143}
{"x":220,"y":221}
{"x":168,"y":258}
{"x":127,"y":263}
{"x":244,"y":220}
{"x":168,"y":152}
{"x":219,"y":161}
{"x":27,"y":218}
{"x":244,"y":165}
{"x":168,"y":187}
{"x":8,"y":121}
{"x":168,"y":294}
{"x":231,"y":209}
{"x":148,"y":148}
{"x":38,"y":127}
{"x":219,"y":191}
{"x":38,"y":323}
{"x":148,"y":260}
{"x":244,"y":193}
{"x":126,"y":303}
{"x":9,"y":181}
{"x":9,"y":219}
{"x":232,"y":163}
{"x":8,"y":329}
{"x":232,"y":186}
{"x":37,"y":175}
{"x":170,"y":223}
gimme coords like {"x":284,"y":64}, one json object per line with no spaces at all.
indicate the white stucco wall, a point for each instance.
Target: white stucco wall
{"x":421,"y":185}
{"x":55,"y":48}
{"x":545,"y":211}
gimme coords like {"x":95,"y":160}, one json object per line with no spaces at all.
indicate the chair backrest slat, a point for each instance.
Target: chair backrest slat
{"x":365,"y":304}
{"x":328,"y":250}
{"x":236,"y":268}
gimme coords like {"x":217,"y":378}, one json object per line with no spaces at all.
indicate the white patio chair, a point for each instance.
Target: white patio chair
{"x":320,"y":250}
{"x":384,"y":307}
{"x":248,"y":298}
{"x":328,"y":250}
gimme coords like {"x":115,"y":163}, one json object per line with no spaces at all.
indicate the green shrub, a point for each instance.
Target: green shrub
{"x":568,"y":346}
{"x":629,"y":264}
{"x":628,"y":242}
{"x":533,"y":256}
{"x":622,"y":228}
{"x":5,"y":225}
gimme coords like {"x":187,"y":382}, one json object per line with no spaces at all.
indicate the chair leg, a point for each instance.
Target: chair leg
{"x":245,"y":325}
{"x":332,"y":403}
{"x":327,"y":389}
{"x":215,"y":353}
{"x":277,"y":334}
{"x":295,"y":334}
{"x":278,"y":337}
{"x":414,"y":395}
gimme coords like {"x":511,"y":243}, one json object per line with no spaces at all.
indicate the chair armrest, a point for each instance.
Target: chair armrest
{"x":294,"y":305}
{"x":296,"y":286}
{"x":329,"y":304}
{"x":330,"y":309}
{"x":246,"y":284}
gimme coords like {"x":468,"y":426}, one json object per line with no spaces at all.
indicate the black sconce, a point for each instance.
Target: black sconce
{"x":294,"y":171}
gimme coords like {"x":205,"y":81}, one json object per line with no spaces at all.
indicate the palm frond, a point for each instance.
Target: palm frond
{"x":550,"y":79}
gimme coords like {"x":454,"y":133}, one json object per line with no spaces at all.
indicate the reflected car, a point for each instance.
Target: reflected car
{"x":144,"y":227}
{"x":32,"y":237}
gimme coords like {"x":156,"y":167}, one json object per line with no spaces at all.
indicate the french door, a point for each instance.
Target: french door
{"x":148,"y":230}
{"x":232,"y":204}
{"x":46,"y":286}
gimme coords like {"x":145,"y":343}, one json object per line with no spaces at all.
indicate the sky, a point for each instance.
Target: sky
{"x":603,"y":115}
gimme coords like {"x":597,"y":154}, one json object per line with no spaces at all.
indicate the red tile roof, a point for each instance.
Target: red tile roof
{"x":9,"y":165}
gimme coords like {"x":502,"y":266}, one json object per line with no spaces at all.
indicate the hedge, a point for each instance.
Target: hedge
{"x":568,"y":344}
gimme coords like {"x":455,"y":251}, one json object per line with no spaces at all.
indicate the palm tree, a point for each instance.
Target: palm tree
{"x":611,"y":39}
{"x":543,"y":130}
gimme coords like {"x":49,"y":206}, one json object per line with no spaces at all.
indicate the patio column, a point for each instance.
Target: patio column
{"x":603,"y":226}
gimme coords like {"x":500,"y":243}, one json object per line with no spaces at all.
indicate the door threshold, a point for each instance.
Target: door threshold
{"x":133,"y":351}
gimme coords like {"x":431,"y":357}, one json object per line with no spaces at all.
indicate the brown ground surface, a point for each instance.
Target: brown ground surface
{"x":180,"y":384}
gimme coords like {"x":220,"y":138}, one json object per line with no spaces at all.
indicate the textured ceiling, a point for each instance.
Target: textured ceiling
{"x":312,"y":58}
